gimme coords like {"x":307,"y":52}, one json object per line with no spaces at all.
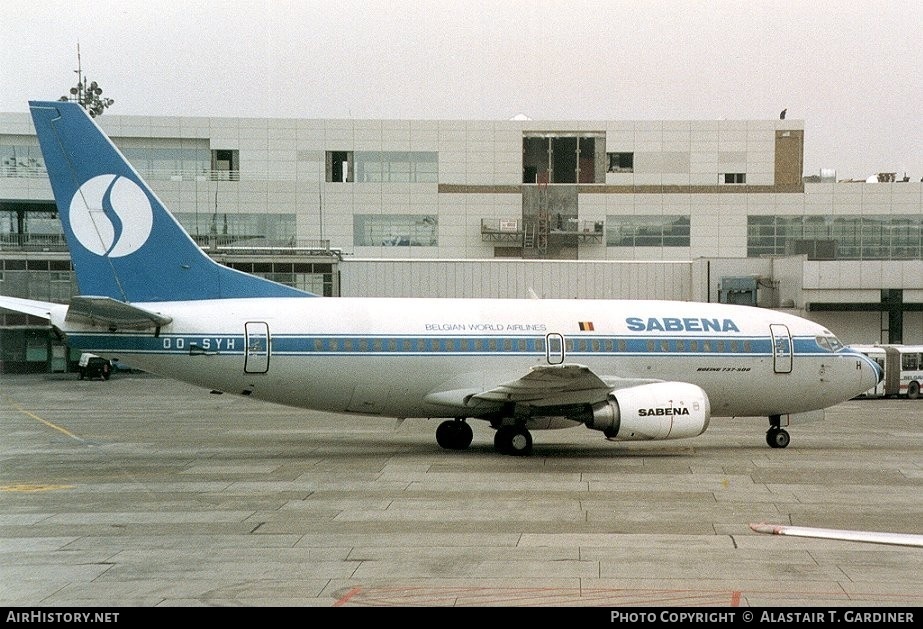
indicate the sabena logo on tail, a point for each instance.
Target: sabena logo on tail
{"x":111,"y":216}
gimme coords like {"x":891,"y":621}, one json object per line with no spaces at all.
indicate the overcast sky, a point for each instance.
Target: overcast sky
{"x":853,"y":71}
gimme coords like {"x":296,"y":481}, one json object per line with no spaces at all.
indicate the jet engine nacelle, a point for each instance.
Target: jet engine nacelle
{"x":663,"y":410}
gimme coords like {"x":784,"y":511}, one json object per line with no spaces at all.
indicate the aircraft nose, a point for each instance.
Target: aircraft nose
{"x":872,"y":373}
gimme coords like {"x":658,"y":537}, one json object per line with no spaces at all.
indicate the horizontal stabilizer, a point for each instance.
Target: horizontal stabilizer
{"x":110,"y":313}
{"x":31,"y":307}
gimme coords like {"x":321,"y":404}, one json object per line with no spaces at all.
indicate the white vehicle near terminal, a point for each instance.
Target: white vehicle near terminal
{"x":902,"y":370}
{"x":93,"y":366}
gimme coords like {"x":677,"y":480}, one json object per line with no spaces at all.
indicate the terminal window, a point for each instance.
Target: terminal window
{"x":339,"y":166}
{"x":646,"y":230}
{"x":840,"y":237}
{"x":226,"y":165}
{"x":621,"y":162}
{"x":395,"y":230}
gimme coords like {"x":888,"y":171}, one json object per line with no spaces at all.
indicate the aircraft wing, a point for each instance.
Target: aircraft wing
{"x":543,"y":385}
{"x":548,"y":384}
{"x":32,"y":307}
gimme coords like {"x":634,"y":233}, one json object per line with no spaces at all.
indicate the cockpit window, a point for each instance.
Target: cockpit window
{"x":829,"y":343}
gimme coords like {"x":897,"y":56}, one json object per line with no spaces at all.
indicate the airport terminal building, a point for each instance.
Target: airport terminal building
{"x":687,"y":210}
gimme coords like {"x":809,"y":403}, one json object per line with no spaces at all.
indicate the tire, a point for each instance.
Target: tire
{"x":502,"y":439}
{"x":444,"y":434}
{"x":913,"y":390}
{"x":454,"y":435}
{"x":520,"y":442}
{"x":463,"y":435}
{"x":778,"y":438}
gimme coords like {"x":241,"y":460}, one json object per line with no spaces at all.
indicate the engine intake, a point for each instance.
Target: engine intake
{"x":663,"y":410}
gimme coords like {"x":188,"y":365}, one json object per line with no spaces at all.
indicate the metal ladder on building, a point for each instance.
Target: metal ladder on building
{"x":528,"y":235}
{"x":542,"y":219}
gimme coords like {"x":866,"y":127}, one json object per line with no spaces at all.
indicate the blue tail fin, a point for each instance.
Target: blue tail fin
{"x":124,"y":244}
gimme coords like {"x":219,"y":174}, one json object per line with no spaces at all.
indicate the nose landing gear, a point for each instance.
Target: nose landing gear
{"x":776,"y":436}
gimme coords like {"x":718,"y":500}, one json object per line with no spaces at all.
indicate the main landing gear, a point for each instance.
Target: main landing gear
{"x":454,"y":434}
{"x":776,"y":436}
{"x":514,"y":440}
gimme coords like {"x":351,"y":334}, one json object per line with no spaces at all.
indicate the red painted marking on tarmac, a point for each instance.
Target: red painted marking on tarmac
{"x":423,"y":596}
{"x":345,"y":598}
{"x":466,"y":596}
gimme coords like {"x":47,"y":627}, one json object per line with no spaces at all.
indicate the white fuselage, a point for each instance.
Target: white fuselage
{"x":388,"y":356}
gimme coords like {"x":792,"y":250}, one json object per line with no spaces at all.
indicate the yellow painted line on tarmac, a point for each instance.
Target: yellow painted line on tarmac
{"x":26,"y":488}
{"x":44,"y":421}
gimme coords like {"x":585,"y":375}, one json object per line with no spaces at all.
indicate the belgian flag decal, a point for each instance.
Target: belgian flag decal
{"x":586,"y":326}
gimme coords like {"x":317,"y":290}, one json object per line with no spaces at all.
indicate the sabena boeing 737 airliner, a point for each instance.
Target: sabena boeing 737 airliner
{"x":633,"y":370}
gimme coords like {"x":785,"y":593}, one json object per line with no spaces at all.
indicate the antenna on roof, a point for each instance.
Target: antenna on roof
{"x":88,"y":95}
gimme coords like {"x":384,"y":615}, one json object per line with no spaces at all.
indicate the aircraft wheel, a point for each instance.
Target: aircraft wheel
{"x":913,"y":390}
{"x":777,"y":437}
{"x":520,"y":442}
{"x":463,"y":435}
{"x":503,"y":439}
{"x":454,"y":435}
{"x":444,"y":433}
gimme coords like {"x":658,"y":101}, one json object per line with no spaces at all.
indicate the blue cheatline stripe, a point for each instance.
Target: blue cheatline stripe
{"x":397,"y":345}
